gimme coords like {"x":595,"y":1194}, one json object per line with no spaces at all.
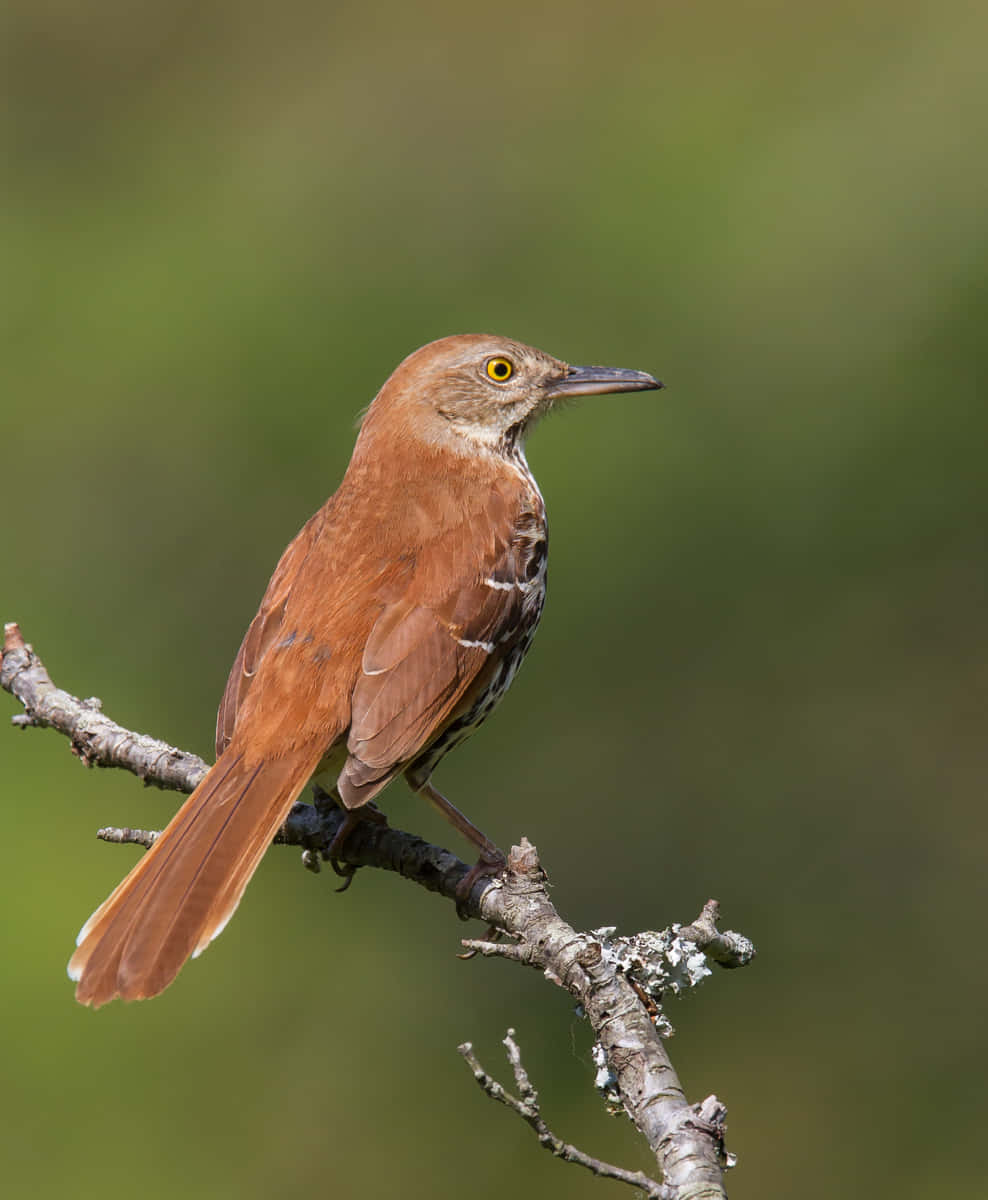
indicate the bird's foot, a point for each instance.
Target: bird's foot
{"x":489,"y":865}
{"x":351,"y":819}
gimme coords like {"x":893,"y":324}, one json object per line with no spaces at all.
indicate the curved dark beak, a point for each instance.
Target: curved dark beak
{"x":596,"y":381}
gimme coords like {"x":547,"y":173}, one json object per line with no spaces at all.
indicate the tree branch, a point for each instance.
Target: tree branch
{"x":95,"y":739}
{"x":618,"y":982}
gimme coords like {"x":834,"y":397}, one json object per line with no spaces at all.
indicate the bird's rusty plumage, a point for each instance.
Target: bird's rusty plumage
{"x":391,"y":627}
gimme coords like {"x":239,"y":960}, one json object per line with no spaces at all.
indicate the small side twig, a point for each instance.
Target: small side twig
{"x":128,"y":837}
{"x":727,"y":949}
{"x":512,"y":951}
{"x":526,"y":1105}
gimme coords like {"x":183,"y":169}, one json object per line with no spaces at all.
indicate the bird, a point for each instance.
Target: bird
{"x":392,"y":626}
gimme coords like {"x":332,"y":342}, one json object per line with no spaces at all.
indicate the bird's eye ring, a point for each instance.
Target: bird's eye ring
{"x":500,"y":369}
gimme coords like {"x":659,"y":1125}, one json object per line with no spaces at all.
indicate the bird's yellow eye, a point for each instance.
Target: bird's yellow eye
{"x":500,"y":369}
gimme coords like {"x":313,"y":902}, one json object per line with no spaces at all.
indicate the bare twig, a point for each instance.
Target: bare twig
{"x":134,"y":837}
{"x":513,"y":951}
{"x":526,"y":1105}
{"x":727,"y":949}
{"x":618,"y":982}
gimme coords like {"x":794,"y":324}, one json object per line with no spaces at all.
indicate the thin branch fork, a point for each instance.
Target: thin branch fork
{"x":618,"y":982}
{"x":526,"y":1105}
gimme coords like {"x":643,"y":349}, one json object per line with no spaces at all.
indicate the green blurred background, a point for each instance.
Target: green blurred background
{"x":762,"y":672}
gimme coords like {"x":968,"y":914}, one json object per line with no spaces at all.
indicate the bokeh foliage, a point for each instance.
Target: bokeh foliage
{"x":762,"y":671}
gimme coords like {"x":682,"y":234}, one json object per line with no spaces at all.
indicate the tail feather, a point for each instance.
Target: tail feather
{"x":136,"y":884}
{"x":227,"y":899}
{"x":172,"y":917}
{"x":185,"y":889}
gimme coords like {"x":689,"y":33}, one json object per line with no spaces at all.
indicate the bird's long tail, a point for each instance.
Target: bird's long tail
{"x":185,"y":889}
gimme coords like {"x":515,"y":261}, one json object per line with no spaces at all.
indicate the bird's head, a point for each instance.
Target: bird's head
{"x":475,"y":392}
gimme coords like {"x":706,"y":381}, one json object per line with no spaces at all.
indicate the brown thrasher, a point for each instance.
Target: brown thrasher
{"x":392,"y":626}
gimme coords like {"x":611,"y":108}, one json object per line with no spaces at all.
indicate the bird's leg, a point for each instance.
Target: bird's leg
{"x":491,"y":860}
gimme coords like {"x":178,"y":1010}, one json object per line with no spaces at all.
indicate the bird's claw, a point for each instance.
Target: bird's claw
{"x":346,"y":871}
{"x":351,"y":820}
